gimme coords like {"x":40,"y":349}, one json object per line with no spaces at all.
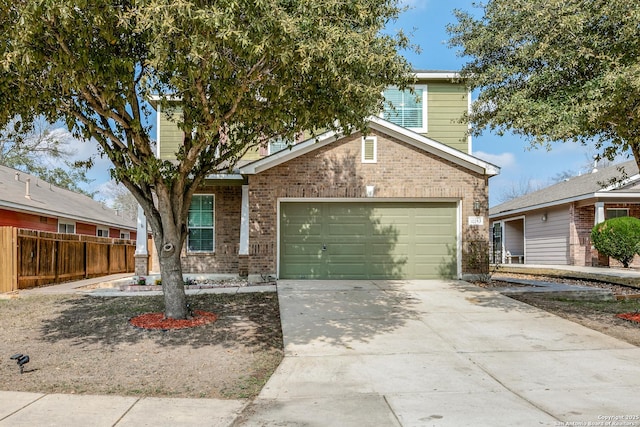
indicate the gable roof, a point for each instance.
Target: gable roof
{"x":574,"y":189}
{"x":48,"y":200}
{"x":375,"y":123}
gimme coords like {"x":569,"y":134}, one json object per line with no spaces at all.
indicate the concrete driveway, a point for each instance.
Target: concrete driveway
{"x":423,"y":353}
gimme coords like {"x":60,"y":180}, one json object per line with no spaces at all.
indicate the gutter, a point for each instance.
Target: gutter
{"x":597,"y":195}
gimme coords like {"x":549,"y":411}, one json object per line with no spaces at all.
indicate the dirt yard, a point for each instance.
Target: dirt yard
{"x":597,"y":315}
{"x":85,"y":345}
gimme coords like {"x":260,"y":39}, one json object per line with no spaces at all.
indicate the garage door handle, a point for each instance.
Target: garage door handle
{"x":324,"y":247}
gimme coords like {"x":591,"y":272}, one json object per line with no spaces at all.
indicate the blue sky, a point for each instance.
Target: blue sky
{"x":518,"y":162}
{"x":520,"y":165}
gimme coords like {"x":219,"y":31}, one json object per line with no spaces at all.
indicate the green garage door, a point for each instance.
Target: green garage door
{"x":359,"y":240}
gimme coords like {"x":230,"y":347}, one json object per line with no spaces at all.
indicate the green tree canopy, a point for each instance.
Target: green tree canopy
{"x":243,"y":71}
{"x":556,"y":70}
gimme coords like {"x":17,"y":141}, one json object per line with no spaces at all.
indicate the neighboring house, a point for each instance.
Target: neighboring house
{"x":403,"y":201}
{"x":28,"y":202}
{"x":553,"y":225}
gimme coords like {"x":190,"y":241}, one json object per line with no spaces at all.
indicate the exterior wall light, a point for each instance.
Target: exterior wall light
{"x":370,"y":190}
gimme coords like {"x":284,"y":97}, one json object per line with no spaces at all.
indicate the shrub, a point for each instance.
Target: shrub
{"x":617,"y":238}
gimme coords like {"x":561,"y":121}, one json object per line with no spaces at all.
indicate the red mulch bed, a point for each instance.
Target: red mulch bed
{"x":158,"y":321}
{"x":632,"y":317}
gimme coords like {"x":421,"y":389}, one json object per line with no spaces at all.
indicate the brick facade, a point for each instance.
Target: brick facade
{"x":336,"y":171}
{"x":581,"y":220}
{"x":227,"y":208}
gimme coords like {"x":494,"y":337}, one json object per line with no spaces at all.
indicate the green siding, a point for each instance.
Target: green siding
{"x":252,"y":154}
{"x":447,"y":102}
{"x":367,"y":240}
{"x":171,"y":136}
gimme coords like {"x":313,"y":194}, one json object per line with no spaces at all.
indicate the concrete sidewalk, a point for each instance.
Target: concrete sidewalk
{"x":406,"y":353}
{"x":66,"y":410}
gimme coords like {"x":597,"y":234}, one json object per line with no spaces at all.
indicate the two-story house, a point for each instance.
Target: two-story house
{"x":403,"y":201}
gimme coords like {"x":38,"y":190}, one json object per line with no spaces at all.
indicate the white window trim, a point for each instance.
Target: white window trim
{"x":65,"y":223}
{"x":125,"y":235}
{"x":375,"y":149}
{"x":189,"y":251}
{"x":423,"y":99}
{"x":98,"y":229}
{"x":615,"y":209}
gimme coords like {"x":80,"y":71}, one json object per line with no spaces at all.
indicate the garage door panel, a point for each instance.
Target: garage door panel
{"x":344,"y":229}
{"x":346,"y":249}
{"x":387,"y":270}
{"x":433,"y":248}
{"x":299,"y":249}
{"x":384,"y":249}
{"x":302,"y":230}
{"x":368,"y":240}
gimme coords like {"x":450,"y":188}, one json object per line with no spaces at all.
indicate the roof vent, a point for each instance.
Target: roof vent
{"x":17,"y":176}
{"x":595,"y":164}
{"x":27,"y":193}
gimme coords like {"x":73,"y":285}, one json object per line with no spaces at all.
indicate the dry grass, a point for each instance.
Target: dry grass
{"x":83,"y":344}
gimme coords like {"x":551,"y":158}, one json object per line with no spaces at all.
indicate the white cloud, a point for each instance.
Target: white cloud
{"x":503,"y":160}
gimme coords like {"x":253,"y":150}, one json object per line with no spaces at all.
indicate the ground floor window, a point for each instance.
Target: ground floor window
{"x":103,"y":232}
{"x":200,"y":236}
{"x":66,"y":228}
{"x":617,"y":213}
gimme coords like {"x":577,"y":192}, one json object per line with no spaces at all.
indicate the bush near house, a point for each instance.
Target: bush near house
{"x":618,"y":238}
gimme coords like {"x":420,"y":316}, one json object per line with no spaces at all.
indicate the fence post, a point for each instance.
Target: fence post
{"x":56,"y":265}
{"x":8,"y":259}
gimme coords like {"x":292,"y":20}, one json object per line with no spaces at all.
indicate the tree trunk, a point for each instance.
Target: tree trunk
{"x":175,"y":300}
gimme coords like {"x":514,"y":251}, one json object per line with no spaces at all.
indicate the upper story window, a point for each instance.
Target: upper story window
{"x":277,"y":144}
{"x":617,"y":213}
{"x":200,"y":237}
{"x":410,"y":109}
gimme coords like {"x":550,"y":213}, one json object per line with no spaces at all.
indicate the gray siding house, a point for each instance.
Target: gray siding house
{"x":553,"y":225}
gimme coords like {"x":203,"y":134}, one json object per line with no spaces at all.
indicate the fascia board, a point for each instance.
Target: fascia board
{"x":434,"y":147}
{"x":288,"y":154}
{"x":627,"y":181}
{"x":618,"y":195}
{"x":596,"y":195}
{"x":403,"y":134}
{"x":540,"y":206}
{"x":46,"y":212}
{"x":225,"y":176}
{"x":434,"y":75}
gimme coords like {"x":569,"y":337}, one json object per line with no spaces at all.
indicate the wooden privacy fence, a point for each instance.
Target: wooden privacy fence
{"x":31,"y":258}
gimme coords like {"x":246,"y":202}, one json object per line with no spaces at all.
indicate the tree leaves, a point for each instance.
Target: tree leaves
{"x":243,"y":71}
{"x":555,"y":70}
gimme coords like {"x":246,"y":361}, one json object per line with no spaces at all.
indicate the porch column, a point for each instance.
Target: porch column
{"x":599,"y":216}
{"x":243,"y":252}
{"x":142,"y":254}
